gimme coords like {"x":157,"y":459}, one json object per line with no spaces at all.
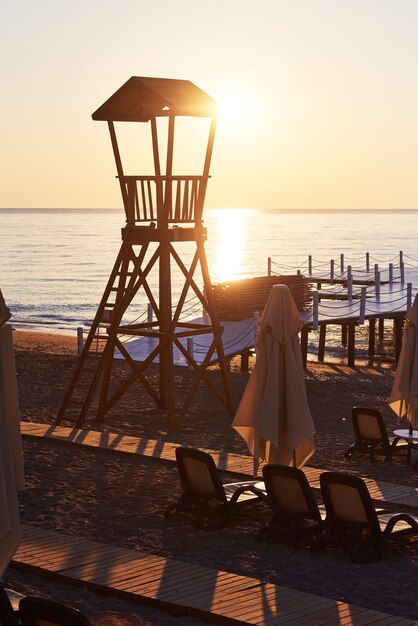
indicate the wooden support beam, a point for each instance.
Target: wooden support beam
{"x":372,"y":336}
{"x":398,"y":329}
{"x":304,"y":344}
{"x":321,"y":344}
{"x":351,"y":343}
{"x":344,"y":335}
{"x":245,"y":357}
{"x":381,"y":328}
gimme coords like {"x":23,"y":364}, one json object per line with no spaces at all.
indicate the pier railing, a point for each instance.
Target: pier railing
{"x":164,"y":199}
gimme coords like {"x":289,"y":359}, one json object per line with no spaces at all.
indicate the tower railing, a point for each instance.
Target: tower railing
{"x":164,"y":199}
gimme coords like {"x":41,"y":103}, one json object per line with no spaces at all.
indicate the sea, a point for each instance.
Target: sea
{"x":54,"y":264}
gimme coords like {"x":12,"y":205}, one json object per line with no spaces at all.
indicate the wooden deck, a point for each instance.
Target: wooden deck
{"x":390,"y":493}
{"x":184,"y":588}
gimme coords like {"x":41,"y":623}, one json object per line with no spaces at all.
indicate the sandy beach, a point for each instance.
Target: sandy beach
{"x":116,"y":499}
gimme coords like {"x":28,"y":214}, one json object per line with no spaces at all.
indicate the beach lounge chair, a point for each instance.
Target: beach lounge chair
{"x":204,"y":495}
{"x":292,"y":501}
{"x":8,"y":616}
{"x":40,"y":612}
{"x":352,"y":520}
{"x":370,"y":434}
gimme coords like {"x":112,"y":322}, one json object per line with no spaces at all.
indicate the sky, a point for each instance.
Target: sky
{"x":324,"y":94}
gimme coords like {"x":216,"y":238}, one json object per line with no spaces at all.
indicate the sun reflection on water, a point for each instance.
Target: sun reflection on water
{"x":231,"y":241}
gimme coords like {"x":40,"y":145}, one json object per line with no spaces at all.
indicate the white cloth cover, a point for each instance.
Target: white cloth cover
{"x":404,"y":395}
{"x":11,"y":458}
{"x":273,"y":416}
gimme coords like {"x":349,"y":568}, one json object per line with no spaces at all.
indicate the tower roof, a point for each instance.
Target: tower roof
{"x":141,"y":98}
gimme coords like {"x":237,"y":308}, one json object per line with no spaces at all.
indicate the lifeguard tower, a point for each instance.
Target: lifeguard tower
{"x":163,"y":213}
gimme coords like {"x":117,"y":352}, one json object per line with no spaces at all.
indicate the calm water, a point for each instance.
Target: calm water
{"x":54,"y":264}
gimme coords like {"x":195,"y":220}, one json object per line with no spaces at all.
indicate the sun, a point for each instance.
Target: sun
{"x":236,"y":108}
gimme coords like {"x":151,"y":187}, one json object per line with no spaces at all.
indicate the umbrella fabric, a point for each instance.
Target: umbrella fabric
{"x":273,"y":416}
{"x":404,"y":395}
{"x":11,"y":463}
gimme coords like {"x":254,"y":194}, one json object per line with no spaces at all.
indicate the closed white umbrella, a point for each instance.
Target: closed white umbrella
{"x":273,"y":416}
{"x":11,"y":458}
{"x":404,"y":395}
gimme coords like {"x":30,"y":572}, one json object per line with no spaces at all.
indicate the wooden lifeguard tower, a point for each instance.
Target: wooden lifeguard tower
{"x":163,"y":211}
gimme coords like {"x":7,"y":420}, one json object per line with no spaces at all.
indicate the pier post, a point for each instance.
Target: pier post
{"x":367,"y":261}
{"x":390,"y":273}
{"x":372,"y":336}
{"x":269,"y":266}
{"x":377,"y":284}
{"x":331,"y":271}
{"x":321,"y":343}
{"x":402,"y":268}
{"x":408,"y":296}
{"x":362,"y":305}
{"x":149,"y":312}
{"x":80,"y":341}
{"x":349,"y":283}
{"x":351,"y":343}
{"x":190,"y":350}
{"x":344,"y":335}
{"x":315,"y":310}
{"x":398,"y":330}
{"x":381,"y":328}
{"x":310,"y":265}
{"x":400,"y":258}
{"x":342,"y":263}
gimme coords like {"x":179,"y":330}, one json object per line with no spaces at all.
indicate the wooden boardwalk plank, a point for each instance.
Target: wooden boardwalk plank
{"x":243,"y":465}
{"x":194,"y":590}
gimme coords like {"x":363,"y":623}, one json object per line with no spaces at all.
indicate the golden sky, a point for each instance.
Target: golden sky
{"x":327,"y":94}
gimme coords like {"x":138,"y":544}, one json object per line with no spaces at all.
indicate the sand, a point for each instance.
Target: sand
{"x":119,"y":500}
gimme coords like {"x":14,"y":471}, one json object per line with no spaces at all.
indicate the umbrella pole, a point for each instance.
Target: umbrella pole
{"x":410,"y":445}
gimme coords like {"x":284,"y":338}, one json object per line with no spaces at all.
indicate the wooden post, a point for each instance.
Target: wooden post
{"x":149,"y":312}
{"x":362,"y":305}
{"x":398,"y":328}
{"x":381,"y":328}
{"x":245,"y":360}
{"x":331,"y":271}
{"x":402,"y":268}
{"x":321,"y":344}
{"x":377,"y":284}
{"x":349,"y":284}
{"x":344,"y":335}
{"x":269,"y":266}
{"x":351,"y":343}
{"x":400,"y":258}
{"x":408,"y":296}
{"x":80,"y":339}
{"x":342,"y":264}
{"x":315,"y":310}
{"x":390,"y":273}
{"x":190,"y":349}
{"x":372,"y":335}
{"x":367,"y":262}
{"x":310,"y":265}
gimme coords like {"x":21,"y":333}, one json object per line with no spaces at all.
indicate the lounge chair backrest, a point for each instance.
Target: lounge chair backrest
{"x":198,"y":473}
{"x":289,"y":491}
{"x":7,"y":614}
{"x":41,"y":612}
{"x":347,"y":499}
{"x":368,"y":424}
